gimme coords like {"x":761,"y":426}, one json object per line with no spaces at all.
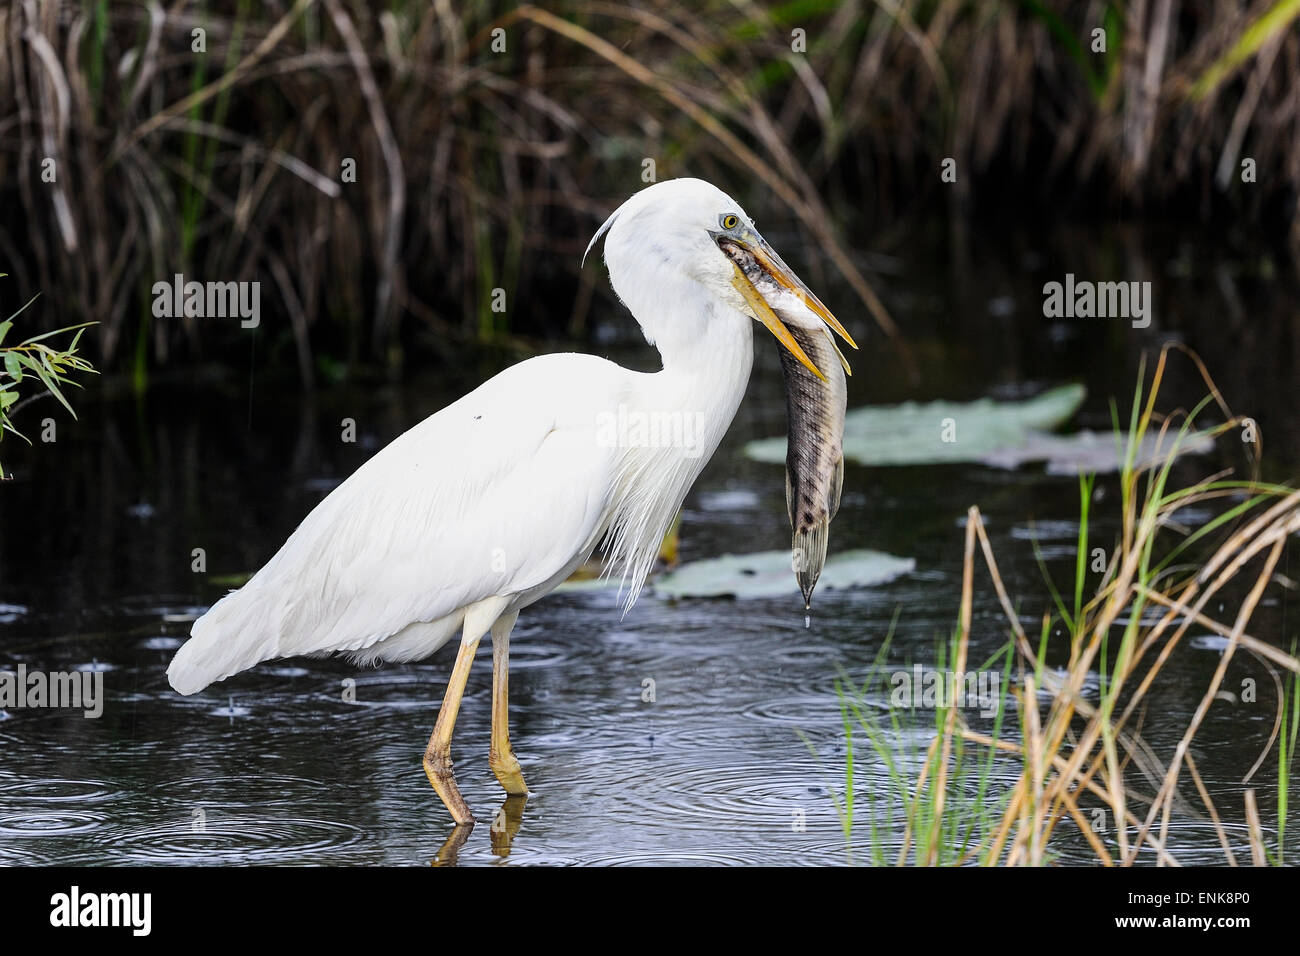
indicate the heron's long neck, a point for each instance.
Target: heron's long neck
{"x":680,"y":415}
{"x":705,"y":375}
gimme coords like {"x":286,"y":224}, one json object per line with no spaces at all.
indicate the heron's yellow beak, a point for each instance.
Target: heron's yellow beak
{"x":759,"y":273}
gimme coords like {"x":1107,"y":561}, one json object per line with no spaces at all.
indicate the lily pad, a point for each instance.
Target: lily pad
{"x":914,"y":433}
{"x":1091,"y":452}
{"x":768,"y":574}
{"x":995,"y":433}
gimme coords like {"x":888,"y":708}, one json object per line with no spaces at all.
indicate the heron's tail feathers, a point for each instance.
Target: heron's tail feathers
{"x":235,"y":634}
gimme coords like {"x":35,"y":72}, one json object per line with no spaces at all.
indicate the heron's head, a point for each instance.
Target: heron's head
{"x":686,"y":239}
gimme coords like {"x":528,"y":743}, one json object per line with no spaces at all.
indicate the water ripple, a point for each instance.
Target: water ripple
{"x":222,"y":838}
{"x":56,"y":822}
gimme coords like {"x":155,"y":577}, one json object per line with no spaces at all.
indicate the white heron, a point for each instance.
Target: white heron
{"x":490,"y":503}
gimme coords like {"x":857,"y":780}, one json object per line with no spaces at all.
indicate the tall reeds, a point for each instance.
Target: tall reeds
{"x":218,"y":139}
{"x":1079,"y":747}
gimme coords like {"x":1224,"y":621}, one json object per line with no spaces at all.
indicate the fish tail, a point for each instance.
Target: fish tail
{"x":809,"y":556}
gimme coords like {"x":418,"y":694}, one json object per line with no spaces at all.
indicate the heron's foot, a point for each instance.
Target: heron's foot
{"x":508,"y":772}
{"x":437,"y":767}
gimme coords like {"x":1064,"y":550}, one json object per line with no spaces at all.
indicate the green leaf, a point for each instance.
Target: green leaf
{"x":1270,"y":24}
{"x":48,"y":382}
{"x":13,"y":366}
{"x":25,"y":305}
{"x":46,"y":335}
{"x":6,"y":427}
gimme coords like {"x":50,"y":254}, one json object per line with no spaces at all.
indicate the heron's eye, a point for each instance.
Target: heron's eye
{"x":730,"y":221}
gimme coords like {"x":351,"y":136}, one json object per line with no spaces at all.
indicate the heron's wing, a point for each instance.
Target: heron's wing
{"x":494,"y":495}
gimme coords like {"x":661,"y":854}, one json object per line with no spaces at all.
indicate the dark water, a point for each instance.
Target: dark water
{"x":741,"y":753}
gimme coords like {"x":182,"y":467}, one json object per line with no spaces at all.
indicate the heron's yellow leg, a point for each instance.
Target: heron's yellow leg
{"x":501,"y":758}
{"x":437,"y":757}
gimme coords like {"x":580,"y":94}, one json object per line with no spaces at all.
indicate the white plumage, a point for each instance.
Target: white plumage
{"x":490,"y":503}
{"x":445,"y":516}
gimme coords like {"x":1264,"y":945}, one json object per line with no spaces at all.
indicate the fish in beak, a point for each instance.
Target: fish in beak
{"x":816,"y":394}
{"x":769,"y":287}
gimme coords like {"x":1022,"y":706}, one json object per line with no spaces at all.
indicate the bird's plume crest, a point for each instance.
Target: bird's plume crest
{"x":600,"y":232}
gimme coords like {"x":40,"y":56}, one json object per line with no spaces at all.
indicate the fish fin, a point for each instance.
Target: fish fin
{"x":837,"y":485}
{"x":789,"y":496}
